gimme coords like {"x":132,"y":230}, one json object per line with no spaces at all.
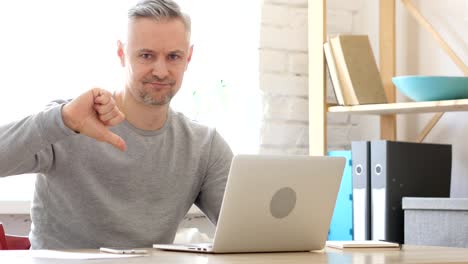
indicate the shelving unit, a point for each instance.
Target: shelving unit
{"x":317,"y":27}
{"x":403,"y":108}
{"x":318,"y":107}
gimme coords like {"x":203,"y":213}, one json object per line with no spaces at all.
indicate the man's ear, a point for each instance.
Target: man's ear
{"x":121,"y":53}
{"x":189,"y":56}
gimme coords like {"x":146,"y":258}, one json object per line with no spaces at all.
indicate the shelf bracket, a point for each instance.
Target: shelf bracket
{"x":424,"y":23}
{"x":429,"y":126}
{"x":443,"y":44}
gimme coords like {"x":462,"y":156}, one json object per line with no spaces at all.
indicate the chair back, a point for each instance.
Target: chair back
{"x":10,"y":242}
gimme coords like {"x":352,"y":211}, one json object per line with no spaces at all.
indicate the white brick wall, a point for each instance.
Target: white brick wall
{"x":277,"y":38}
{"x":284,"y":84}
{"x":284,"y":75}
{"x":339,"y":21}
{"x":298,"y":63}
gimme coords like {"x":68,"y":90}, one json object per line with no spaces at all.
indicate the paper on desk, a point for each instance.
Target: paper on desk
{"x":54,"y":254}
{"x":362,"y":244}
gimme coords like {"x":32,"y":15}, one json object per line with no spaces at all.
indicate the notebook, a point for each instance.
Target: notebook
{"x":355,"y":244}
{"x":274,"y":204}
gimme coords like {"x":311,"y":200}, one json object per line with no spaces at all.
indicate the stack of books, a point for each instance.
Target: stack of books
{"x":353,"y":70}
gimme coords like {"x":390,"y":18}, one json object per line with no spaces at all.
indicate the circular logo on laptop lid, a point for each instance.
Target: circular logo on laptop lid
{"x":283,"y":202}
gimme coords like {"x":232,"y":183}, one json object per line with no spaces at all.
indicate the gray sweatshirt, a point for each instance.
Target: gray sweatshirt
{"x":89,"y":194}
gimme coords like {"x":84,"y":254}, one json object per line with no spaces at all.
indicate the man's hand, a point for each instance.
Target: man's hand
{"x":92,"y":113}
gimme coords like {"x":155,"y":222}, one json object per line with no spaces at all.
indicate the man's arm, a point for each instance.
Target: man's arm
{"x":212,"y":190}
{"x":26,"y":145}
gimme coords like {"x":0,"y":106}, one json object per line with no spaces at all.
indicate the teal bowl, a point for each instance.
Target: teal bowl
{"x":432,"y":88}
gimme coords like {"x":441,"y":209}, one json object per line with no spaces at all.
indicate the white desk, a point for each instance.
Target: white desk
{"x":409,"y":254}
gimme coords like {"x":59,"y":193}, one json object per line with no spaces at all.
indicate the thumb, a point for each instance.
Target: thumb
{"x":114,"y":140}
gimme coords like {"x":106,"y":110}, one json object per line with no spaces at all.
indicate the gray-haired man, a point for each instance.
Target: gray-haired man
{"x":134,"y":191}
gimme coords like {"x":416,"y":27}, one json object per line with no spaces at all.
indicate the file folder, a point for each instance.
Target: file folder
{"x":341,"y":227}
{"x":402,"y":169}
{"x":361,"y":190}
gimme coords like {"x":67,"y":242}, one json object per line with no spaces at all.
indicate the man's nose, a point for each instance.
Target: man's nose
{"x":160,"y":68}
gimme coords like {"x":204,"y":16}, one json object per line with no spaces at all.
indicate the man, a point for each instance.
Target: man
{"x":121,"y":169}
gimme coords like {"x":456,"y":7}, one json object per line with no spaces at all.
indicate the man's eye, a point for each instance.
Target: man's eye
{"x":146,"y":56}
{"x":174,"y":57}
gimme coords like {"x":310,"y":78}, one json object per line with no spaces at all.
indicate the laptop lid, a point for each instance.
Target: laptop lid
{"x":278,"y":203}
{"x":275,"y":204}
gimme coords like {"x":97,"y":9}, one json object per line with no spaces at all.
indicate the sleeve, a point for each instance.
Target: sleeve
{"x":26,"y":145}
{"x":212,"y":190}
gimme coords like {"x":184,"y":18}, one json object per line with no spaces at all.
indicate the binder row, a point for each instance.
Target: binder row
{"x":386,"y":171}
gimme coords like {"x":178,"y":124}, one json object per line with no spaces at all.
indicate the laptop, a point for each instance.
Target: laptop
{"x":274,"y":204}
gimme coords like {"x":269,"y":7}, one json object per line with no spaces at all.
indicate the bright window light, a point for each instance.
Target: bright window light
{"x":53,"y":49}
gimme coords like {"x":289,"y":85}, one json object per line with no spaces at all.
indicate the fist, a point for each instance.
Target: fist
{"x":92,"y":113}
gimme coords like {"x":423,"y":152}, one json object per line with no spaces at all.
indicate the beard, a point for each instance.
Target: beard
{"x":163,"y":98}
{"x":149,"y":99}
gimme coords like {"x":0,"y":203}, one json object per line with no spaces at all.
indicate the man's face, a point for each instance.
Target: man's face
{"x":155,"y":58}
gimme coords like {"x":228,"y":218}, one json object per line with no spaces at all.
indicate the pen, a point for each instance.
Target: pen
{"x":123,"y":250}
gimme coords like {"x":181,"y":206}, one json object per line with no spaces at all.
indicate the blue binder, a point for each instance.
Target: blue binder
{"x":341,"y":227}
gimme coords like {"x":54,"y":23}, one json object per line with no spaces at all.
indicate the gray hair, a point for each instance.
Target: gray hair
{"x":159,"y":10}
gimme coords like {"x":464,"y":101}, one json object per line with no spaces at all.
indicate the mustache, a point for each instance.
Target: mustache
{"x":159,"y":80}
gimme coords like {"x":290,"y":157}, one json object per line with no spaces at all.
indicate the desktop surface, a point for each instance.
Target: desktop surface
{"x":408,"y":254}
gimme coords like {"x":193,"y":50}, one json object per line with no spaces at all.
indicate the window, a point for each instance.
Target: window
{"x":53,"y":49}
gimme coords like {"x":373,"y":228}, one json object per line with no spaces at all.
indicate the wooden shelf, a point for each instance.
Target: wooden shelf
{"x":403,"y":108}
